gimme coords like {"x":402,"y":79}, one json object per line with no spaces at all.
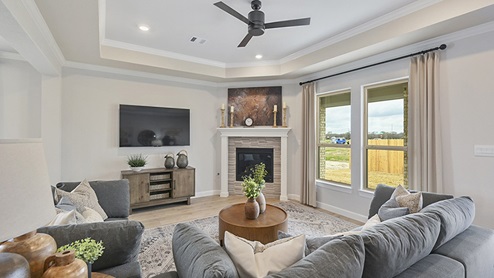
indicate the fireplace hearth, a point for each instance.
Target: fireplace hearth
{"x":247,"y":158}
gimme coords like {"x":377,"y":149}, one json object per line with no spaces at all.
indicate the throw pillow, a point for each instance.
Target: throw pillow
{"x":311,"y":243}
{"x":91,"y":216}
{"x":374,"y":220}
{"x":63,"y":218}
{"x":254,"y":259}
{"x":83,"y":196}
{"x":392,"y":209}
{"x":413,"y":201}
{"x":66,"y":205}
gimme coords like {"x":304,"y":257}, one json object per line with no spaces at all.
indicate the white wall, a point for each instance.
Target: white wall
{"x":466,"y":96}
{"x":90,"y":131}
{"x":20,"y":100}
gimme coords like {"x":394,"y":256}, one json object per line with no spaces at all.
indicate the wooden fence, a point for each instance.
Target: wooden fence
{"x":385,"y":160}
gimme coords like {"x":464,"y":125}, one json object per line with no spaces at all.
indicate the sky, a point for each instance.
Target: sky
{"x":383,"y":116}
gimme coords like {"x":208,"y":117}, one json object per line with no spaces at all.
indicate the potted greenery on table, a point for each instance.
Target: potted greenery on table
{"x":136,"y":162}
{"x":86,"y":249}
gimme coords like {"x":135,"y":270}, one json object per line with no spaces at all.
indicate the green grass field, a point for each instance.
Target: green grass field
{"x":342,"y":175}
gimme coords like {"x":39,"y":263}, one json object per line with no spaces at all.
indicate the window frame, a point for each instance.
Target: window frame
{"x":365,"y":131}
{"x":331,"y":145}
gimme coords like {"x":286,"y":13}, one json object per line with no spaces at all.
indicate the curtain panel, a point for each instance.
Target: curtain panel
{"x":309,"y":145}
{"x":424,"y":142}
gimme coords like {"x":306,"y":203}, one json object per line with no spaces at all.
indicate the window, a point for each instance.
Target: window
{"x":385,"y":131}
{"x":334,"y":118}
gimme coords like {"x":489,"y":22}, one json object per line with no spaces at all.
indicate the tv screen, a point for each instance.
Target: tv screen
{"x":145,"y":126}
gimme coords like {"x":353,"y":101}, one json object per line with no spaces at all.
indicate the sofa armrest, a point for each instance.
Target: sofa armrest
{"x":121,"y":239}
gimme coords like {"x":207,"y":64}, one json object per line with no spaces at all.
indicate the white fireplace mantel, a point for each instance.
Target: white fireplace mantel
{"x":278,"y":132}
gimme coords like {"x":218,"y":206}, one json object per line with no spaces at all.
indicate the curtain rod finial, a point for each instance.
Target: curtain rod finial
{"x":442,"y":46}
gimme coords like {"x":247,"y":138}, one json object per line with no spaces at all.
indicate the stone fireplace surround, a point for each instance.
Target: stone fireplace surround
{"x":261,"y":137}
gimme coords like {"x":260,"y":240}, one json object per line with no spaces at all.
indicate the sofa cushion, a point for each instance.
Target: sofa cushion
{"x":197,"y":255}
{"x":383,"y":193}
{"x":121,"y":239}
{"x":311,"y":243}
{"x":473,"y":248}
{"x":456,"y":215}
{"x":339,"y":258}
{"x":254,"y":259}
{"x":394,"y":245}
{"x":436,"y":266}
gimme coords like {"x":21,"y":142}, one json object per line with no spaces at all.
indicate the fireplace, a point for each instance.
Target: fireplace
{"x":247,"y":158}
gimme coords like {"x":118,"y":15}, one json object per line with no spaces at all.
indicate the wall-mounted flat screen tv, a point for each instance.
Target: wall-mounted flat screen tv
{"x":146,"y":126}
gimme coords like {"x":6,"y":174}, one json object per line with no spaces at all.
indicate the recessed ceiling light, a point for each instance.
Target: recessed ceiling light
{"x":258,"y":56}
{"x":144,"y":27}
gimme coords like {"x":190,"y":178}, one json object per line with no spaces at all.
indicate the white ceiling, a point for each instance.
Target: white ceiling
{"x":105,"y":33}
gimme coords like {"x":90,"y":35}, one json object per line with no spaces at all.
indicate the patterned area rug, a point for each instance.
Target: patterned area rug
{"x":156,"y":255}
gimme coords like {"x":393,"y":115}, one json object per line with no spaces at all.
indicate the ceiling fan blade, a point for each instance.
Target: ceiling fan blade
{"x":288,"y":23}
{"x":231,"y":11}
{"x":246,"y":40}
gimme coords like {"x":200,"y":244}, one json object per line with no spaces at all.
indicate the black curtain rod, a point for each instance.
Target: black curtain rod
{"x":441,"y":47}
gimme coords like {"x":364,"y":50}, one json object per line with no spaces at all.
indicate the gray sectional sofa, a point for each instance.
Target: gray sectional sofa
{"x":439,"y":241}
{"x":121,"y":237}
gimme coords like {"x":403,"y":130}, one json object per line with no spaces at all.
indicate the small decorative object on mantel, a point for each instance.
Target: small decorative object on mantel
{"x":169,"y":161}
{"x":136,"y":162}
{"x":222,"y":115}
{"x":182,"y":160}
{"x":231,"y":116}
{"x":87,"y":250}
{"x":65,"y":264}
{"x":284,"y":116}
{"x":275,"y":111}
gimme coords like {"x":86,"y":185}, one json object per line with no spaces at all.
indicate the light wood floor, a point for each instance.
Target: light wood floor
{"x":199,"y":208}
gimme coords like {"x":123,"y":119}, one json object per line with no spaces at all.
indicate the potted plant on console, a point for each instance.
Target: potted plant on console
{"x":136,"y":162}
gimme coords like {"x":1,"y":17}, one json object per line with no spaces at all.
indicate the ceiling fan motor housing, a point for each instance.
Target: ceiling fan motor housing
{"x":256,"y":25}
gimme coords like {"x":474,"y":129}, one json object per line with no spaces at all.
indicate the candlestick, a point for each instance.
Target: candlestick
{"x":284,"y":118}
{"x":222,"y":116}
{"x":231,"y":117}
{"x":274,"y":121}
{"x":275,"y":108}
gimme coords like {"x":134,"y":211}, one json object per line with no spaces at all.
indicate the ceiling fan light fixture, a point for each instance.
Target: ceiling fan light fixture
{"x":143,"y":27}
{"x":258,"y":56}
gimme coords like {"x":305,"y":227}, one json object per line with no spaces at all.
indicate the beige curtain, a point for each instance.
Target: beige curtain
{"x":425,"y":158}
{"x":309,"y":146}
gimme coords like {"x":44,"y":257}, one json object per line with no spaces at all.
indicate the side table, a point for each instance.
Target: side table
{"x":263,"y":229}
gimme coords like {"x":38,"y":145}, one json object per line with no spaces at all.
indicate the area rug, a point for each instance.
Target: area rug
{"x":156,"y":254}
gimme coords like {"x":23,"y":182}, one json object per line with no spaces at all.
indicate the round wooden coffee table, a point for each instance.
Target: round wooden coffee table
{"x":264,"y":229}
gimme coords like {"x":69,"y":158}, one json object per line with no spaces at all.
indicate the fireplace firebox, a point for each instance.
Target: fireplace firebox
{"x":248,"y":157}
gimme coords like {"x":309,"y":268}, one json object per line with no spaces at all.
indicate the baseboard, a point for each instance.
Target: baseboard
{"x":207,"y":193}
{"x":294,"y":197}
{"x":344,"y":212}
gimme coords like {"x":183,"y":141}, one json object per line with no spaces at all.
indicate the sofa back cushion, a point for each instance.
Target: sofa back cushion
{"x":338,"y":258}
{"x":456,"y":216}
{"x":383,"y":193}
{"x":198,"y":255}
{"x":394,"y":245}
{"x":113,"y":195}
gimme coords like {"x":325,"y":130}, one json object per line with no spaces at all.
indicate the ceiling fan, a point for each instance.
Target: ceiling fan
{"x":256,"y":20}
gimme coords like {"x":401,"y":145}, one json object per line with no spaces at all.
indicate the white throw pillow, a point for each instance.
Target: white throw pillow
{"x":63,"y":218}
{"x":91,"y":216}
{"x":254,"y":259}
{"x":374,"y":220}
{"x":83,"y":196}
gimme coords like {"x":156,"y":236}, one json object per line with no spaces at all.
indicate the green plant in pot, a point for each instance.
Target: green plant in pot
{"x":251,"y":191}
{"x":87,"y":249}
{"x":258,"y":173}
{"x":136,"y":161}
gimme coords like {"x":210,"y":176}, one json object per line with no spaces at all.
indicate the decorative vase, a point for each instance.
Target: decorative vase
{"x":182,"y":160}
{"x":136,"y":169}
{"x":261,"y":199}
{"x":251,"y":209}
{"x":35,"y":247}
{"x":65,"y":265}
{"x":169,"y":161}
{"x":89,"y":269}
